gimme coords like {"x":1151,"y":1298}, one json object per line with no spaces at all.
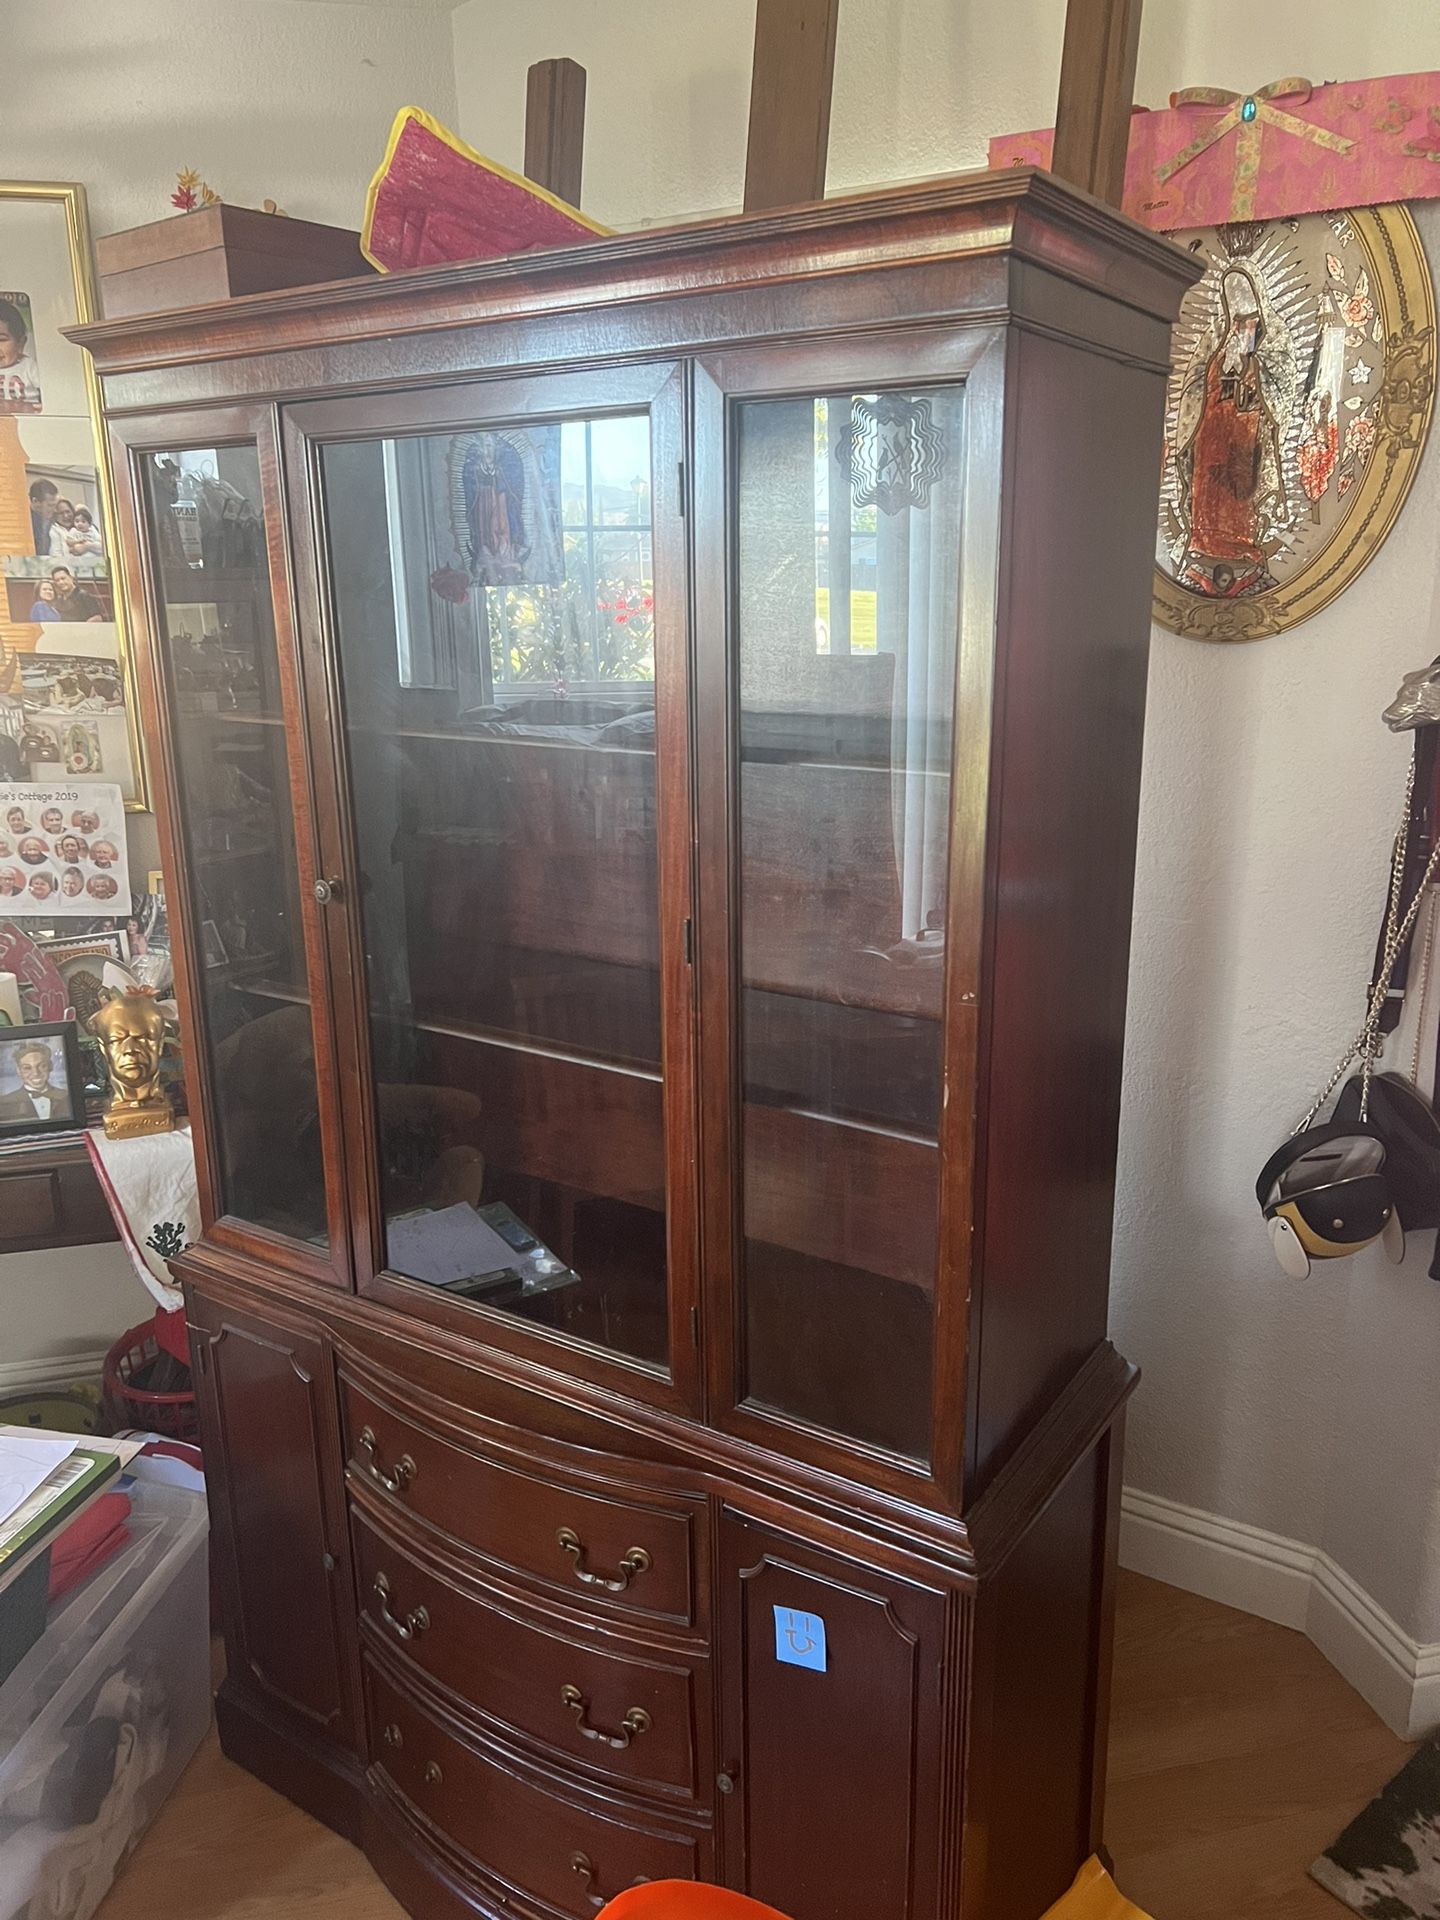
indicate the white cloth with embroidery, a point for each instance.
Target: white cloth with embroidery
{"x":149,"y":1182}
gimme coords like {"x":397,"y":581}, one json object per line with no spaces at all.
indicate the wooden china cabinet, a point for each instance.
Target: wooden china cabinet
{"x":649,"y":741}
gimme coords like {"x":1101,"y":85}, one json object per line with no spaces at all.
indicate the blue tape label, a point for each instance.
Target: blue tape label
{"x":800,"y":1639}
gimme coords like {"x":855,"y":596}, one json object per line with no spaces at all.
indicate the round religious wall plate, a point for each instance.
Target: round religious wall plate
{"x":1301,"y":382}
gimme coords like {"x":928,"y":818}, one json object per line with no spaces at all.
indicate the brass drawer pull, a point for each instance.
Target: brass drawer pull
{"x":635,"y":1561}
{"x":582,"y":1864}
{"x":636,"y":1721}
{"x":414,"y":1623}
{"x":394,"y":1482}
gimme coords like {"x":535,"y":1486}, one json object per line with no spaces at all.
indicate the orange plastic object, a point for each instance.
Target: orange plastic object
{"x":435,"y":200}
{"x":685,"y":1900}
{"x":1092,"y":1896}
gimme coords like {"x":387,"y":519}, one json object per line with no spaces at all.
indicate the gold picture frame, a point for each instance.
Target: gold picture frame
{"x":1304,"y":361}
{"x":66,"y":437}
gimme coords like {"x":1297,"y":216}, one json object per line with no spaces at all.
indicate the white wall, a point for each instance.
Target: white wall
{"x":1271,"y":789}
{"x":289,"y":100}
{"x":920,"y":85}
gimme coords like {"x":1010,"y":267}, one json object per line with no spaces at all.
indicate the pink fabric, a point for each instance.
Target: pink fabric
{"x":1284,"y":161}
{"x":435,"y":205}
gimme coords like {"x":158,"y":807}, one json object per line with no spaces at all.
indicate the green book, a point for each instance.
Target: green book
{"x":82,"y":1475}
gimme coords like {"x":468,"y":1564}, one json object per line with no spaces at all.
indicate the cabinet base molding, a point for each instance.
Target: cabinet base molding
{"x":327,"y":1783}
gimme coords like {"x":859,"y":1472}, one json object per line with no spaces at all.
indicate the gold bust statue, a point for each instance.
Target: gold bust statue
{"x":131,"y":1030}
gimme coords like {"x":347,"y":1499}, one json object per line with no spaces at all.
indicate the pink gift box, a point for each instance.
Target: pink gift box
{"x":1286,"y":149}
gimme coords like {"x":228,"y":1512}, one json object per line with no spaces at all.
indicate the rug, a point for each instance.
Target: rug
{"x":1386,"y":1864}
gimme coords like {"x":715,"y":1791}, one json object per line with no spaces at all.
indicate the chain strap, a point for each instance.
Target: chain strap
{"x":1397,"y":931}
{"x":1424,"y":989}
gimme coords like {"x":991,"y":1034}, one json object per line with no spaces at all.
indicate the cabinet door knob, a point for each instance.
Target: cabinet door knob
{"x":399,"y":1478}
{"x":393,"y":1736}
{"x":725,"y":1782}
{"x":636,"y":1721}
{"x":433,"y":1776}
{"x":635,"y":1561}
{"x":327,"y":890}
{"x":407,"y":1627}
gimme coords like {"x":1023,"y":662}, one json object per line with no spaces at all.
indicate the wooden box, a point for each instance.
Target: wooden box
{"x":215,"y":253}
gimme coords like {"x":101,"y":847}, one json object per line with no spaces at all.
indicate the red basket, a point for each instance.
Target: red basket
{"x":130,"y":1405}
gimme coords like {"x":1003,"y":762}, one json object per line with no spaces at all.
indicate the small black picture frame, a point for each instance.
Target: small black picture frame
{"x":62,"y":1091}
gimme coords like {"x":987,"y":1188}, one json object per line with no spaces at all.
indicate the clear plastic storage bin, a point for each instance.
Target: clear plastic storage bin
{"x":100,"y":1717}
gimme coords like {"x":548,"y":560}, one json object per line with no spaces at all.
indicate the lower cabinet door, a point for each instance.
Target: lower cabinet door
{"x":833,"y":1730}
{"x":270,"y":1430}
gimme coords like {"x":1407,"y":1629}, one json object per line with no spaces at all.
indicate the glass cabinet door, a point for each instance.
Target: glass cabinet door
{"x":846,"y":529}
{"x":493,"y":602}
{"x":203,"y":512}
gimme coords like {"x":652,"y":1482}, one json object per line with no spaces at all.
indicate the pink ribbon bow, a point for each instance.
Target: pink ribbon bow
{"x":1247,"y":115}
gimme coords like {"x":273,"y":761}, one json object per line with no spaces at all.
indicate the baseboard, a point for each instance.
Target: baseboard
{"x":51,"y":1371}
{"x":1298,"y":1586}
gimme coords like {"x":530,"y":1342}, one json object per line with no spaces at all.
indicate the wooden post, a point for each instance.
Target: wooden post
{"x":790,"y":88}
{"x":1097,"y":91}
{"x":555,"y":127}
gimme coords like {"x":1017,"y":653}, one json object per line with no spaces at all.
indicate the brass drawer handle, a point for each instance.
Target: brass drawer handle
{"x":635,"y":1561}
{"x":636,"y":1721}
{"x":582,"y":1864}
{"x":416,"y":1622}
{"x":394,"y":1482}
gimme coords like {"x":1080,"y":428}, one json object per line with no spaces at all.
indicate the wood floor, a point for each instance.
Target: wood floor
{"x":1237,"y":1753}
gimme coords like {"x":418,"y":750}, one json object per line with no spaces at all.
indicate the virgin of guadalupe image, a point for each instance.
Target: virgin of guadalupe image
{"x":505,"y":507}
{"x":1229,"y":464}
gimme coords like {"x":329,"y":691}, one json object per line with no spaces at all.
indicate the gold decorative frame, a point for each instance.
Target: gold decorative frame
{"x":68,"y":197}
{"x":1404,"y":295}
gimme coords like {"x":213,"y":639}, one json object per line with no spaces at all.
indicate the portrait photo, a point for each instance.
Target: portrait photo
{"x":19,"y":368}
{"x":41,"y":1086}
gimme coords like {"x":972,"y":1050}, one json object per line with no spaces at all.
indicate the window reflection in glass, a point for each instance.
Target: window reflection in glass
{"x":848,"y":609}
{"x":493,"y":600}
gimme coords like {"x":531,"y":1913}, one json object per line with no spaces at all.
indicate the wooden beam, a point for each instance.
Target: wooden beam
{"x":1097,"y":91}
{"x":790,"y":90}
{"x":555,"y":127}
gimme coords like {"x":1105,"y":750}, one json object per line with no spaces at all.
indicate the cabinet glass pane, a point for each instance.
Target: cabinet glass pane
{"x":493,"y":605}
{"x":848,"y":524}
{"x":217,"y":633}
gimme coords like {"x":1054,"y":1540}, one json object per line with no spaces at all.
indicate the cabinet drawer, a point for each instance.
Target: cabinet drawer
{"x":622,"y":1553}
{"x":562,"y":1851}
{"x":630,"y":1717}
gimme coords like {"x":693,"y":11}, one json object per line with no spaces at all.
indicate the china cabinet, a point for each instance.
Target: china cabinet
{"x":655,"y":729}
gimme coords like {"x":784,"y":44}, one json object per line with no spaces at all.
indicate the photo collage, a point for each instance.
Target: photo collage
{"x":62,"y":692}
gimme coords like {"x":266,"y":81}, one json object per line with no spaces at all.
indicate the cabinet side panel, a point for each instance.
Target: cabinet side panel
{"x":1032,"y":1743}
{"x":1081,"y":474}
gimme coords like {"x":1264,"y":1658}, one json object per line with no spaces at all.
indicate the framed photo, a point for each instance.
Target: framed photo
{"x":60,"y":588}
{"x":42,"y":1087}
